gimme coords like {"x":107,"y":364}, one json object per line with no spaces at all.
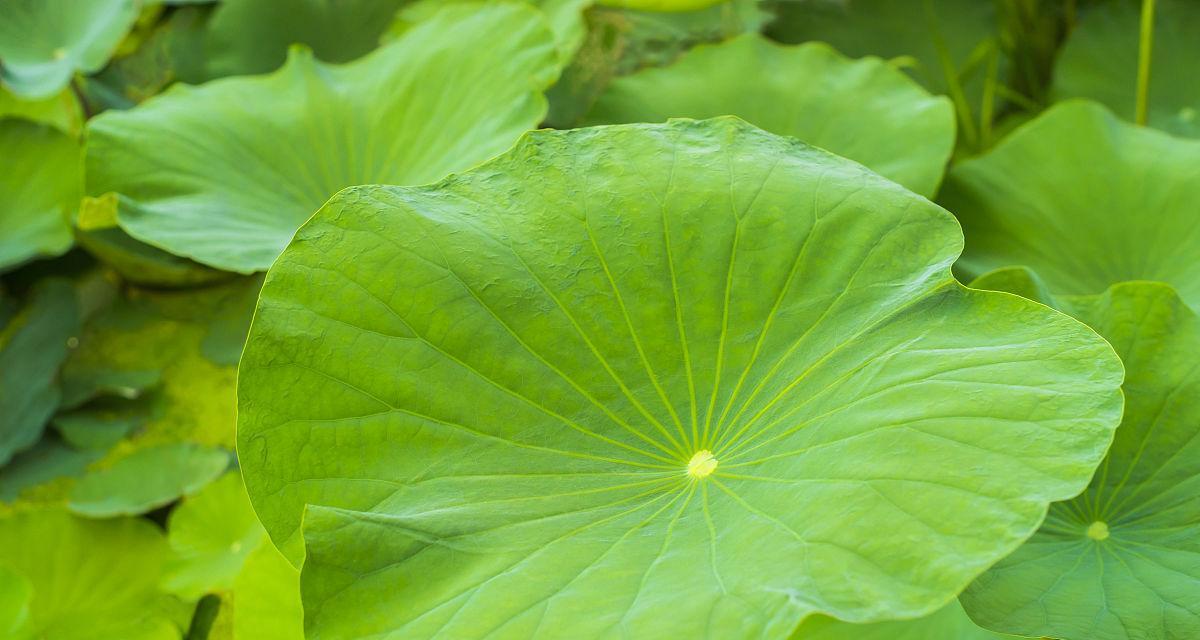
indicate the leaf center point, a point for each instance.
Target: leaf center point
{"x":702,"y":464}
{"x":1098,"y":531}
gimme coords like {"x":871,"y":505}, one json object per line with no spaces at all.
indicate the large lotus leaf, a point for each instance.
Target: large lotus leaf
{"x":225,"y":173}
{"x":253,"y":36}
{"x":33,"y":345}
{"x":691,"y":367}
{"x":91,"y":579}
{"x":39,"y":191}
{"x":948,"y":623}
{"x":44,"y":42}
{"x":1085,"y":200}
{"x":211,"y":534}
{"x":1100,"y":61}
{"x":864,"y":110}
{"x":147,"y":479}
{"x":1122,"y":560}
{"x":929,"y":35}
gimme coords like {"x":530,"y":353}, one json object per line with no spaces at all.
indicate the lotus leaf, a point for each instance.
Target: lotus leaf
{"x":181,"y":343}
{"x":688,"y":367}
{"x":1121,"y":561}
{"x":211,"y":534}
{"x":253,"y":36}
{"x":39,"y":190}
{"x":91,"y":579}
{"x":1085,"y":200}
{"x":267,"y":598}
{"x":147,"y":479}
{"x":1100,"y":61}
{"x":50,"y":462}
{"x":33,"y":345}
{"x":949,"y":623}
{"x":936,"y":40}
{"x":44,"y":42}
{"x":62,"y":111}
{"x":303,"y":133}
{"x":864,"y":110}
{"x":661,"y":5}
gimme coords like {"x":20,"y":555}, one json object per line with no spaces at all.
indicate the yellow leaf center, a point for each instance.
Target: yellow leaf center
{"x":702,"y":464}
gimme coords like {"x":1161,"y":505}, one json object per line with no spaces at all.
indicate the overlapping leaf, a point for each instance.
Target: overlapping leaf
{"x":1085,"y":200}
{"x":39,"y":191}
{"x":90,"y":580}
{"x":864,"y":110}
{"x":1122,"y":560}
{"x":618,"y":371}
{"x":44,"y":42}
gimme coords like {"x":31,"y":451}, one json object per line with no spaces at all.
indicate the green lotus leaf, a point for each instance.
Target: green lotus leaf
{"x":16,"y":598}
{"x":266,"y":598}
{"x":565,"y":18}
{"x":147,"y":479}
{"x":864,"y":110}
{"x":948,"y":623}
{"x":39,"y":191}
{"x":1083,"y":199}
{"x":211,"y":534}
{"x":689,"y":367}
{"x":33,"y":345}
{"x":175,"y":348}
{"x":253,"y":36}
{"x":102,"y":423}
{"x":61,"y":111}
{"x":42,"y":474}
{"x":1121,"y":560}
{"x":44,"y":42}
{"x":162,"y":50}
{"x":91,"y":579}
{"x":621,"y":41}
{"x":661,"y":5}
{"x":303,"y":133}
{"x":927,"y":36}
{"x":1100,"y":61}
{"x":137,"y":262}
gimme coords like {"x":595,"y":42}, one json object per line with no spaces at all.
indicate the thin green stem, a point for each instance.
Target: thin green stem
{"x":1145,"y":44}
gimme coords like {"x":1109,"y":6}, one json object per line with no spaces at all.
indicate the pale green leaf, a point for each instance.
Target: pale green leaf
{"x":948,"y":623}
{"x":864,"y":110}
{"x":1085,"y":200}
{"x":211,"y":534}
{"x":39,"y":191}
{"x":44,"y":42}
{"x":91,"y":579}
{"x":1122,"y":560}
{"x":266,"y":598}
{"x":225,"y":173}
{"x":617,"y":371}
{"x":146,"y":479}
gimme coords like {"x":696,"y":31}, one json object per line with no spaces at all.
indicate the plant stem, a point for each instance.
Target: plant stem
{"x":1146,"y":43}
